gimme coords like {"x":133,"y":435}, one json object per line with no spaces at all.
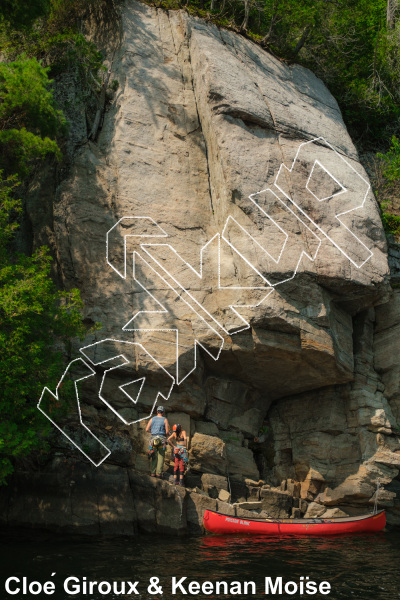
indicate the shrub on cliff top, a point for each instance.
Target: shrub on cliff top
{"x":28,"y":116}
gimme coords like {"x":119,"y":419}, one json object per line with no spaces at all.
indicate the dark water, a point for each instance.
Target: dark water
{"x":359,"y":567}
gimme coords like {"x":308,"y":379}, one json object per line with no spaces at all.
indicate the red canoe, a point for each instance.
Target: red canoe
{"x":218,"y":523}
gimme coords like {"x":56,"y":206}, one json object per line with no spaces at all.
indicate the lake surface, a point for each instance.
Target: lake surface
{"x":359,"y":567}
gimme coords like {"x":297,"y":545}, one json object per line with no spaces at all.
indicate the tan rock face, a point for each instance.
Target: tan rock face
{"x":202,"y":120}
{"x":314,"y":510}
{"x":232,"y":177}
{"x":224,"y":496}
{"x":208,"y":454}
{"x":275,"y":503}
{"x":214,"y":485}
{"x":342,"y":440}
{"x":240,"y":462}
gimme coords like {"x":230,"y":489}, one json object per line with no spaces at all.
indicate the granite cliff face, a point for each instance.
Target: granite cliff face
{"x":232,"y":177}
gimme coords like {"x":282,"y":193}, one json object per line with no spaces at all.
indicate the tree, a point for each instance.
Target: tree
{"x":21,"y":14}
{"x":36,"y":322}
{"x":28,"y":115}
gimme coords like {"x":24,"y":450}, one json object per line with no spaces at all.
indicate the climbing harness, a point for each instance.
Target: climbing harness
{"x":157,"y":441}
{"x":155,"y":444}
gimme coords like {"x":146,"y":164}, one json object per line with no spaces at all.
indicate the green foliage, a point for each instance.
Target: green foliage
{"x":64,"y":50}
{"x":37,"y":321}
{"x":21,"y":14}
{"x":386,"y":179}
{"x":391,"y":161}
{"x":26,"y":97}
{"x":346,"y":49}
{"x":21,"y":146}
{"x":391,"y":223}
{"x":57,"y":42}
{"x":26,"y":102}
{"x":10,"y":207}
{"x":34,"y":317}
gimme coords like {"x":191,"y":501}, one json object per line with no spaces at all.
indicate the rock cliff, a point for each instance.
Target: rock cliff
{"x":223,"y":208}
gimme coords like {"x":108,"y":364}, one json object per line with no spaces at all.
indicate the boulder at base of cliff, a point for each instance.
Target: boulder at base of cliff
{"x":208,"y":454}
{"x":196,"y":505}
{"x":276,"y":503}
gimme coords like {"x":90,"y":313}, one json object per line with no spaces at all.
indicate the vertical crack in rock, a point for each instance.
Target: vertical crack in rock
{"x":201,"y":127}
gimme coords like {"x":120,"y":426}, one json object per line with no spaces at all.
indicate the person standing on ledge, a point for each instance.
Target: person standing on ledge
{"x":178,"y":442}
{"x":159,"y":429}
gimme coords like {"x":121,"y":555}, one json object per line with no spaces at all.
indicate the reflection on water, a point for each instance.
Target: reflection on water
{"x":359,"y":567}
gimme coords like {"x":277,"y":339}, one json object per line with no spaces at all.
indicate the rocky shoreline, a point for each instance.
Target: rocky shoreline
{"x":72,"y":497}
